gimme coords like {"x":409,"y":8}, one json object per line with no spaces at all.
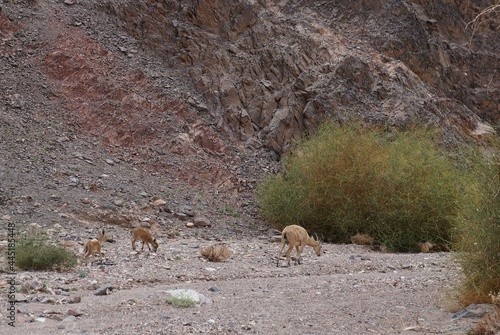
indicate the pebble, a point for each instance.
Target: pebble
{"x":48,"y":301}
{"x":159,"y":203}
{"x":201,"y":221}
{"x":69,"y":318}
{"x":75,"y":300}
{"x":104,"y":290}
{"x":474,"y":311}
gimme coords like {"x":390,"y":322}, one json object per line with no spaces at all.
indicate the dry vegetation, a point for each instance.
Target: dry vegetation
{"x":490,"y":324}
{"x":217,"y":252}
{"x":362,"y":239}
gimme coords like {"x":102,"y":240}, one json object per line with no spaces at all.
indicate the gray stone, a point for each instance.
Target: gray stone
{"x":75,"y":300}
{"x":181,"y":216}
{"x":19,"y":297}
{"x":104,"y":290}
{"x":201,"y":221}
{"x":474,"y":311}
{"x":48,"y":301}
{"x":69,"y":318}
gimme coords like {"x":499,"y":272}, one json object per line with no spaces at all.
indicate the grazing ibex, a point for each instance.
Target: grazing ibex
{"x":296,"y":236}
{"x":143,"y":235}
{"x":93,"y":247}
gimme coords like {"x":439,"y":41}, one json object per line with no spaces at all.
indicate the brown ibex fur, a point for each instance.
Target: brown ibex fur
{"x":94,"y":246}
{"x":296,"y":236}
{"x":146,"y":238}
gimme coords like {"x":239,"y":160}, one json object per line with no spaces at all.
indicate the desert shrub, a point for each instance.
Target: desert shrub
{"x":398,"y":188}
{"x":182,"y":302}
{"x":218,"y":252}
{"x":362,"y":239}
{"x":35,"y":253}
{"x":488,"y":325}
{"x":478,"y":238}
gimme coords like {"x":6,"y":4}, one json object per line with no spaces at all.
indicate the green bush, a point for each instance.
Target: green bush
{"x":38,"y":254}
{"x":180,"y":302}
{"x":396,"y":187}
{"x":478,"y":239}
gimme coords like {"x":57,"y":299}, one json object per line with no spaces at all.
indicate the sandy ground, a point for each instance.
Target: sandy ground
{"x":348,"y":290}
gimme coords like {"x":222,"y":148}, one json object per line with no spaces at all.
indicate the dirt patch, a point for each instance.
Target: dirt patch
{"x":347,"y":290}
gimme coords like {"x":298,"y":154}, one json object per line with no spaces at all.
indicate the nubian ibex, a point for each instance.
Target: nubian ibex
{"x":143,"y":235}
{"x":296,"y":236}
{"x":94,"y":246}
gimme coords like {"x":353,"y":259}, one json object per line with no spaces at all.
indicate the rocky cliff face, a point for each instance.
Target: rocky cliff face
{"x":199,"y":91}
{"x":270,"y":71}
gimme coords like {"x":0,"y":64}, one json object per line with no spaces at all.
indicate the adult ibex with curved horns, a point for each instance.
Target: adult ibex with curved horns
{"x":296,"y":236}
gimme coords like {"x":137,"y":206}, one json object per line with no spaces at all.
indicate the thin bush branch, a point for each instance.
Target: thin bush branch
{"x":476,"y":22}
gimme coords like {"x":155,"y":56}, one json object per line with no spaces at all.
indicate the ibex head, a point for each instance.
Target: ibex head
{"x":317,"y":246}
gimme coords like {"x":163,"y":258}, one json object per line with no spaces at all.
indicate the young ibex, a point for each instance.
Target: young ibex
{"x":93,"y":247}
{"x":296,"y":236}
{"x":143,"y":235}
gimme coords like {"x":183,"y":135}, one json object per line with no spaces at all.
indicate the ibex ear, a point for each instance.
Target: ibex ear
{"x":154,"y":240}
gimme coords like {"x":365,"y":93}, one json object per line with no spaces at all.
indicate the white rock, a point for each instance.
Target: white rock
{"x":189,"y":294}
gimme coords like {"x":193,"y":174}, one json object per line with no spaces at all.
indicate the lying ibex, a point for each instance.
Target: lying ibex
{"x":143,"y":235}
{"x":296,"y":236}
{"x":93,"y":247}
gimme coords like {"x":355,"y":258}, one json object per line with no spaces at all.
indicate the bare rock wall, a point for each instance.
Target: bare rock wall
{"x":270,"y":71}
